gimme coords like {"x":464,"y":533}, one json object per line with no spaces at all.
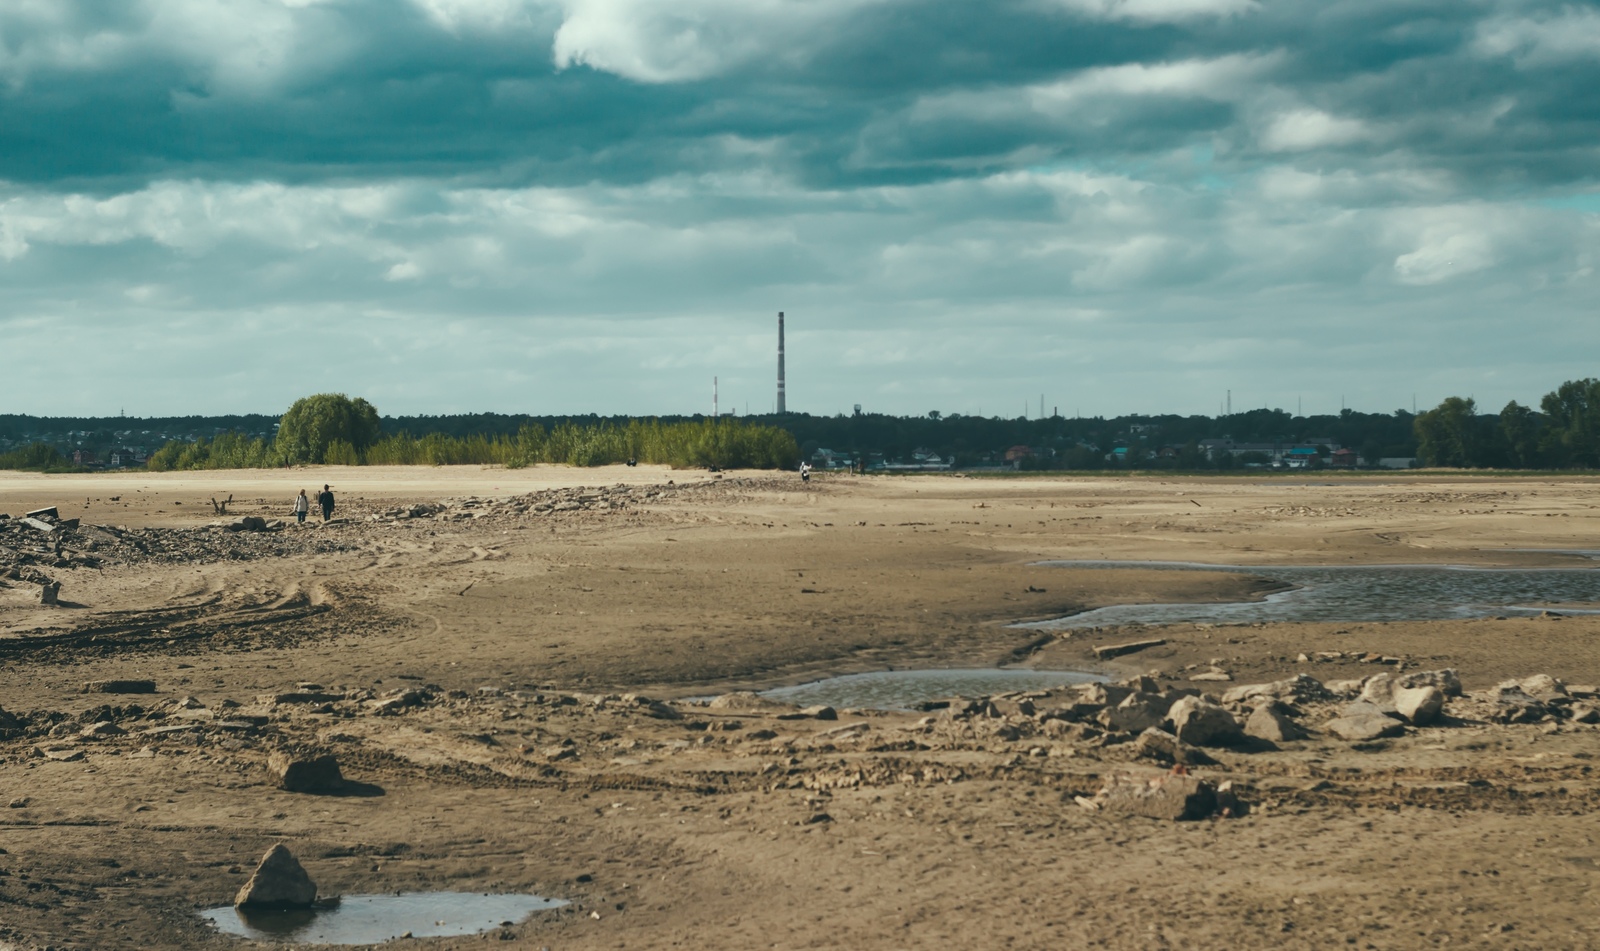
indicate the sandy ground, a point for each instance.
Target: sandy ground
{"x":514,"y":763}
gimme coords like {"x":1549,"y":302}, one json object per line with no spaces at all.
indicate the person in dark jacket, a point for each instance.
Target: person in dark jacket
{"x":325,"y":499}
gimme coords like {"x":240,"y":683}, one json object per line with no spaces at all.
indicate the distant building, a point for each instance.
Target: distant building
{"x":1018,"y":453}
{"x":1397,"y":462}
{"x":82,"y":457}
{"x":1345,"y":458}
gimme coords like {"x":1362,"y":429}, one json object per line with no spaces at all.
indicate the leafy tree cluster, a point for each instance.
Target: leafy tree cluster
{"x":37,"y":457}
{"x":334,"y":430}
{"x":1563,"y":434}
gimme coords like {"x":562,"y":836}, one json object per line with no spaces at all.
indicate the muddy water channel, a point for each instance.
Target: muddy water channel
{"x":1360,"y":593}
{"x":905,"y":689}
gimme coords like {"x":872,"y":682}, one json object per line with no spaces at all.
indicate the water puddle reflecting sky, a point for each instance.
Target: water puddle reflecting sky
{"x":1360,"y":593}
{"x":370,"y":919}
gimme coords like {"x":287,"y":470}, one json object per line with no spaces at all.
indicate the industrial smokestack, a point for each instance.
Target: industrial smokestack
{"x":781,"y":407}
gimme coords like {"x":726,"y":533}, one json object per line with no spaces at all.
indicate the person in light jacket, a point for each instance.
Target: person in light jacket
{"x":302,"y":505}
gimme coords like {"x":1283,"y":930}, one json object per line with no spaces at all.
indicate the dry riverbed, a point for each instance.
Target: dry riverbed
{"x":506,"y":666}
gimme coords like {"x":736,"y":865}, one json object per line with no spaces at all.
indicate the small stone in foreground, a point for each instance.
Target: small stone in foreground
{"x":1270,"y":722}
{"x":1365,"y":726}
{"x":319,"y":774}
{"x":1173,"y":797}
{"x":1419,"y":705}
{"x":278,"y":882}
{"x":120,"y":686}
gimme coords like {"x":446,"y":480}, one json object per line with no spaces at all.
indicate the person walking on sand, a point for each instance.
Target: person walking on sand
{"x":325,"y":499}
{"x":805,"y":472}
{"x":302,"y":505}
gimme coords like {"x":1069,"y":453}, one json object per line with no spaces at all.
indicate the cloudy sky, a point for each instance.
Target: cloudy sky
{"x":597,"y":205}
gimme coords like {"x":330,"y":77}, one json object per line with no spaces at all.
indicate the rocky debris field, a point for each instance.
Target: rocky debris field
{"x":41,"y":547}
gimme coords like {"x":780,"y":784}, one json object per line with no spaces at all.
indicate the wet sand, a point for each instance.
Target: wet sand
{"x":688,"y":832}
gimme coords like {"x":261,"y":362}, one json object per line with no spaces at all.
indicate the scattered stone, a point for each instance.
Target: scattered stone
{"x":1583,"y":713}
{"x":1211,"y":675}
{"x":1365,"y":727}
{"x":1419,"y":705}
{"x":279,"y":881}
{"x":820,"y":712}
{"x":120,"y":686}
{"x":1163,"y":747}
{"x":63,"y":756}
{"x":1136,"y":712}
{"x":1131,"y":647}
{"x":1344,"y":688}
{"x":102,"y":728}
{"x":1447,"y":680}
{"x":317,"y":774}
{"x":1512,"y":704}
{"x":1272,"y":723}
{"x":1199,"y":722}
{"x":1172,"y":797}
{"x":50,"y":593}
{"x":1543,"y":687}
{"x":1301,"y":688}
{"x":49,"y":514}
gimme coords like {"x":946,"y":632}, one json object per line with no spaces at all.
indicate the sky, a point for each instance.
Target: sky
{"x":572,"y":206}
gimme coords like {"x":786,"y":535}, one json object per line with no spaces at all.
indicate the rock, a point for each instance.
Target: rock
{"x":1297,"y":689}
{"x":1136,"y":712}
{"x":1543,"y":687}
{"x":1364,"y":727}
{"x":1448,"y":682}
{"x":1270,"y":722}
{"x":1419,"y":705}
{"x":1131,"y":647}
{"x":102,"y":728}
{"x":1163,"y":747}
{"x":1101,"y":695}
{"x":744,"y":701}
{"x":661,"y":711}
{"x":1378,"y":689}
{"x":1366,"y":708}
{"x":317,"y":774}
{"x":820,"y":712}
{"x":1199,"y":722}
{"x":1212,"y":675}
{"x":1344,"y":688}
{"x":1013,"y":707}
{"x":50,"y":593}
{"x":64,"y":756}
{"x":279,"y":881}
{"x":120,"y":686}
{"x":1512,"y":704}
{"x":1142,"y":683}
{"x":50,"y":514}
{"x":1173,"y":797}
{"x":1583,"y":713}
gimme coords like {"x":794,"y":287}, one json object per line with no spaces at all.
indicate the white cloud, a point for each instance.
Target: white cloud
{"x":1572,"y":34}
{"x":1160,"y":11}
{"x":658,"y":42}
{"x":1302,"y":130}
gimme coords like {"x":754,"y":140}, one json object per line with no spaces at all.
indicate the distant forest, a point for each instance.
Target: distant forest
{"x":1563,"y":432}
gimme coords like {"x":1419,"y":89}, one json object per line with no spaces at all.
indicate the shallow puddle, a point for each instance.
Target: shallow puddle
{"x":369,"y":919}
{"x":1361,"y":593}
{"x":905,"y":689}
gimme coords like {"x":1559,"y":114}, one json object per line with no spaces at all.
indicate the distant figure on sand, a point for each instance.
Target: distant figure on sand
{"x":325,"y":499}
{"x":805,"y":472}
{"x":302,"y":505}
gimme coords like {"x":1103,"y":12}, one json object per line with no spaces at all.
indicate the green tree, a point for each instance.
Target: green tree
{"x":1572,"y":429}
{"x":1519,"y":429}
{"x":1447,"y":434}
{"x":314,"y":423}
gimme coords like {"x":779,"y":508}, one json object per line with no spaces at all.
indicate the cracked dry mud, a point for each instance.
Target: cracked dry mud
{"x":503,"y":662}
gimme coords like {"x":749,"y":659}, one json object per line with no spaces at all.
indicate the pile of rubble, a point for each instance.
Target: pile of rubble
{"x":552,"y":502}
{"x":39,"y":544}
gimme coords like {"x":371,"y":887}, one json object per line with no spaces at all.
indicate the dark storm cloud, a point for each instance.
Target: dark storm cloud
{"x":483,"y":196}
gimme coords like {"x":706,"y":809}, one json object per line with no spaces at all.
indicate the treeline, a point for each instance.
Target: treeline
{"x":1564,"y":433}
{"x":330,"y":429}
{"x":36,"y":457}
